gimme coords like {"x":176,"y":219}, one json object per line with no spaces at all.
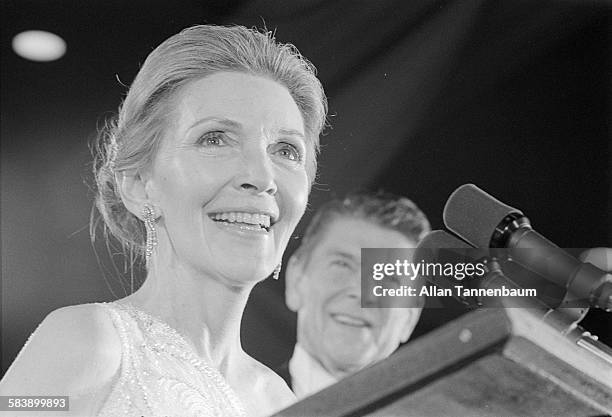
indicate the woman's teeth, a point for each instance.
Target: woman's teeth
{"x":257,"y":219}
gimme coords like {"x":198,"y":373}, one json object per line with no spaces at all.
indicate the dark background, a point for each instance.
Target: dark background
{"x":512,"y":95}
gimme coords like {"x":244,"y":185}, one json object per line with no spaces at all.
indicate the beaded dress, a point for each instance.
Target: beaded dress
{"x":161,"y":375}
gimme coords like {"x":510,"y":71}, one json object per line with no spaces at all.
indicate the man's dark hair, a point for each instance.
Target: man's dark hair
{"x":384,"y":209}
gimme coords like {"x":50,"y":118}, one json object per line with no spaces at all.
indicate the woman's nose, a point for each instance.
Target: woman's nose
{"x":257,"y":173}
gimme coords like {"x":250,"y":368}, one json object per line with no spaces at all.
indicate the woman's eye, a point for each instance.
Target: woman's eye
{"x":212,"y":139}
{"x":288,"y":151}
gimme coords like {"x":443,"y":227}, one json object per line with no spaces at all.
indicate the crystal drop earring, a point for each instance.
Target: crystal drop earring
{"x":276,"y":273}
{"x":148,"y":215}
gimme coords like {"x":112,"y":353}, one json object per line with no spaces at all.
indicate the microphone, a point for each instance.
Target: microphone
{"x":439,"y":246}
{"x":486,"y":222}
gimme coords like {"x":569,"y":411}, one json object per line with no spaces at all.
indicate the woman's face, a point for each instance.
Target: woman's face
{"x":230,"y":176}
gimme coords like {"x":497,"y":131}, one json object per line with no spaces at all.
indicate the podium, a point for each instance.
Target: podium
{"x":495,"y":362}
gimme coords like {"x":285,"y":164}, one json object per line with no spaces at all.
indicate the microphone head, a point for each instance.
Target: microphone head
{"x":440,"y":247}
{"x":439,"y":239}
{"x":439,"y":243}
{"x":473,"y":214}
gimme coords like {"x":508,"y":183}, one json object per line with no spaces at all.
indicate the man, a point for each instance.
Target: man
{"x":335,"y":336}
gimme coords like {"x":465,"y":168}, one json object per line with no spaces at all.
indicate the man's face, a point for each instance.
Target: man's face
{"x":324,"y":289}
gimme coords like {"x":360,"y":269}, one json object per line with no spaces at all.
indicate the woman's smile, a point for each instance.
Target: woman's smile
{"x":245,"y":221}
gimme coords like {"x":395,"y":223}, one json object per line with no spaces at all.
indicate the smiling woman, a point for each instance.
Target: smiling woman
{"x":205,"y":173}
{"x":228,"y":161}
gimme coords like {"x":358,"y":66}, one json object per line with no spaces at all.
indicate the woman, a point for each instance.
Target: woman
{"x":206,"y":173}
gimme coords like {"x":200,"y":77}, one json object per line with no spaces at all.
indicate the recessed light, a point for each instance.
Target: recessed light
{"x":39,"y":45}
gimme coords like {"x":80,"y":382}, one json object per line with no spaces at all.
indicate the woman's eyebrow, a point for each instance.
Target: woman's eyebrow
{"x":291,"y":132}
{"x":221,"y":120}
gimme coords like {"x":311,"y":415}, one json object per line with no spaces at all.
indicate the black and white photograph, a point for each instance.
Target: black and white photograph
{"x":306,"y":208}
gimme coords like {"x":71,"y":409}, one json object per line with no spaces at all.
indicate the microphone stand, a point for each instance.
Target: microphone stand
{"x":564,"y":320}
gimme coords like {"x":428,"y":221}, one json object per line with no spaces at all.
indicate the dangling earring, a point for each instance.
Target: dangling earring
{"x":276,"y":272}
{"x":149,"y":220}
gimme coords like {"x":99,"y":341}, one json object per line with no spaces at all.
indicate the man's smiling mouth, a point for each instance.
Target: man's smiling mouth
{"x":350,"y":320}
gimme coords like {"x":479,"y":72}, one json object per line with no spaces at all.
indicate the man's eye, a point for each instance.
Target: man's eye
{"x":341,"y":264}
{"x":288,"y":151}
{"x":212,"y":139}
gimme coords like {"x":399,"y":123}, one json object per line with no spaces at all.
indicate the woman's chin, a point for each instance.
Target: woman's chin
{"x":245,"y":273}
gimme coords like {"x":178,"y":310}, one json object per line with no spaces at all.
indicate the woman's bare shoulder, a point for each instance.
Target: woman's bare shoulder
{"x":74,"y":350}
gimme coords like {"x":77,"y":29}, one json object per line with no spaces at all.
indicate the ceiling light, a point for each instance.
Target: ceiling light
{"x":38,"y":45}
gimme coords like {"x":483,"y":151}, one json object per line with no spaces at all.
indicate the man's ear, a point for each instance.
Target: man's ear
{"x":293,"y":279}
{"x":133,"y":190}
{"x":410,"y":324}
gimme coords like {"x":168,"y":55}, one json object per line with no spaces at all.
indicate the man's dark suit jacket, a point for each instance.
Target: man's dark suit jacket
{"x":283,"y":371}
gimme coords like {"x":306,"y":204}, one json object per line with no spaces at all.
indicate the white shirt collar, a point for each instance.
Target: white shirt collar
{"x":307,"y":374}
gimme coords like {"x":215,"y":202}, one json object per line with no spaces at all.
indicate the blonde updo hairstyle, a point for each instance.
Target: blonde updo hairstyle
{"x":129,"y":142}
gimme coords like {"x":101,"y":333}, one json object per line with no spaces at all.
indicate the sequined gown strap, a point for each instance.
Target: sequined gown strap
{"x":161,"y":375}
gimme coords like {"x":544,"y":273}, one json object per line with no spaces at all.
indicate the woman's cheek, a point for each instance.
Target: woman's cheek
{"x":299,"y":204}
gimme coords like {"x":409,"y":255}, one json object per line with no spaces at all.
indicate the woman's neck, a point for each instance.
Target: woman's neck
{"x":207,"y":311}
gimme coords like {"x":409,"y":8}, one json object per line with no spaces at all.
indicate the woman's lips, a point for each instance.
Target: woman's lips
{"x":243,"y":220}
{"x":243,"y":227}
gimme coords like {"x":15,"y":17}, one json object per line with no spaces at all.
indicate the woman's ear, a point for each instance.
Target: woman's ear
{"x":133,"y":191}
{"x":293,"y":277}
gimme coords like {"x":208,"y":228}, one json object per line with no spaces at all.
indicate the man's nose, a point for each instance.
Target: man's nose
{"x":364,"y":295}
